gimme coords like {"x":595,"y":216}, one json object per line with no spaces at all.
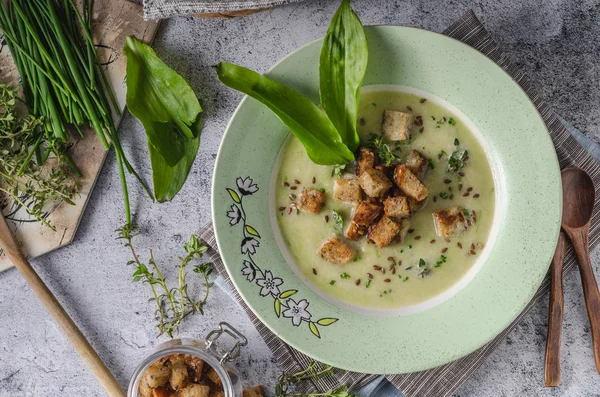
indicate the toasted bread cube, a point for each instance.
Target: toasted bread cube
{"x":144,"y":389}
{"x":214,"y":377}
{"x":395,"y":125}
{"x":347,"y":189}
{"x":396,"y":207}
{"x":195,"y":365}
{"x":256,"y":391}
{"x":404,"y":226}
{"x":310,"y":200}
{"x":384,"y":231}
{"x":374,"y":182}
{"x":194,"y":390}
{"x":217,"y":393}
{"x":355,"y":231}
{"x":336,"y":251}
{"x":179,"y":375}
{"x":417,"y":164}
{"x":409,"y":183}
{"x":415,"y":205}
{"x":366,"y":214}
{"x":450,"y":222}
{"x":365,"y":160}
{"x":158,"y":373}
{"x":162,"y":392}
{"x":388,"y":170}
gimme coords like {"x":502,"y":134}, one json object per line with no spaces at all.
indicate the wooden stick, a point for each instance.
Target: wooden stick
{"x":555,"y":318}
{"x":87,"y":352}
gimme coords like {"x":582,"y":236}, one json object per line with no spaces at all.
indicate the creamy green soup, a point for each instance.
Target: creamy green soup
{"x":423,"y":265}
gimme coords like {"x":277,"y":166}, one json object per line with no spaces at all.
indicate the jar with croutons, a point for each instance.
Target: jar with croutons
{"x":192,"y":368}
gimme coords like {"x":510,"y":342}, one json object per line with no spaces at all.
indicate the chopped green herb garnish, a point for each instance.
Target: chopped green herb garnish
{"x":401,"y":251}
{"x":456,"y":162}
{"x":405,"y":279}
{"x":456,"y":142}
{"x":400,"y":276}
{"x":421,"y":262}
{"x":356,"y":258}
{"x":433,"y":118}
{"x":386,"y":152}
{"x":322,"y":190}
{"x":338,"y":220}
{"x":409,"y":246}
{"x":408,"y":268}
{"x":442,"y":260}
{"x":431,"y":164}
{"x":337,"y":170}
{"x":362,"y":121}
{"x":451,"y":121}
{"x":332,"y":282}
{"x":443,"y":153}
{"x":443,"y":195}
{"x":466,"y":213}
{"x":368,"y":284}
{"x":344,"y":275}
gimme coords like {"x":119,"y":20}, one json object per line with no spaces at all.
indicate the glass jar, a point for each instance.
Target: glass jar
{"x":208,"y":350}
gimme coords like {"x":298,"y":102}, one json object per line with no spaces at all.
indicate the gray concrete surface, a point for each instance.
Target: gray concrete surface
{"x":555,"y":41}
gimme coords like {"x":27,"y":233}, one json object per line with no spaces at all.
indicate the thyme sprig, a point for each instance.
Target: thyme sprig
{"x":24,"y":184}
{"x":314,"y":371}
{"x":173,"y":304}
{"x":387,"y":152}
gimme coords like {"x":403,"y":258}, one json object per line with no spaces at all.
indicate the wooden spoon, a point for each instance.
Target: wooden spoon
{"x":87,"y":352}
{"x":555,"y":318}
{"x":578,"y":204}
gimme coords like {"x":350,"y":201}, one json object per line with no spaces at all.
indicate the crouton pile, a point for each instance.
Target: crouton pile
{"x":184,"y":375}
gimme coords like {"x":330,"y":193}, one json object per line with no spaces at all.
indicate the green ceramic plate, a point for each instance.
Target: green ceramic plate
{"x":527,"y":217}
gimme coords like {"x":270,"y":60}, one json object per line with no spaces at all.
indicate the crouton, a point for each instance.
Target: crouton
{"x":195,"y":365}
{"x":450,"y":222}
{"x":217,"y":393}
{"x":396,"y":207}
{"x":395,"y":125}
{"x":158,"y":373}
{"x":310,"y":200}
{"x":336,"y":251}
{"x":365,"y":160}
{"x":374,"y":183}
{"x":366,"y":214}
{"x":409,"y":183}
{"x":144,"y":389}
{"x":194,"y":390}
{"x":415,"y":205}
{"x":256,"y":391}
{"x":162,"y":392}
{"x":355,"y":231}
{"x":347,"y":189}
{"x":417,"y":164}
{"x":384,"y":231}
{"x":214,"y":377}
{"x":404,"y":226}
{"x":388,"y":170}
{"x":179,"y":375}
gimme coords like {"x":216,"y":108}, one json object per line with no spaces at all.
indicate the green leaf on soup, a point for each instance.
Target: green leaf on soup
{"x":342,"y":67}
{"x":306,"y":121}
{"x":314,"y":329}
{"x":170,"y":112}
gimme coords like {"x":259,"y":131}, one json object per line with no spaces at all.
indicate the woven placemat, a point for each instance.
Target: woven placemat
{"x":444,"y":380}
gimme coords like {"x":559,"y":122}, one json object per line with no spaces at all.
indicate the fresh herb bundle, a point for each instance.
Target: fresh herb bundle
{"x":331,"y":138}
{"x":22,"y":182}
{"x":314,"y":371}
{"x":62,"y":78}
{"x":173,"y":304}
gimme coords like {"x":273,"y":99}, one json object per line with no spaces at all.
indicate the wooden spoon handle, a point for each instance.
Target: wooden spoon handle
{"x":87,"y":352}
{"x":555,"y":318}
{"x":579,"y":238}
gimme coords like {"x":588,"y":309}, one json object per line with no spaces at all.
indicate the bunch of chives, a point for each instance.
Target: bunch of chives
{"x":62,"y":78}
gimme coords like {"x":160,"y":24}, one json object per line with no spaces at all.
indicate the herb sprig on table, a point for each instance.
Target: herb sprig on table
{"x":314,"y":371}
{"x":173,"y":304}
{"x":23,"y":182}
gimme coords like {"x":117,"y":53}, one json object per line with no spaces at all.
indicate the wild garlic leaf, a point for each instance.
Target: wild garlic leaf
{"x":342,"y":67}
{"x":306,"y":121}
{"x":170,"y":112}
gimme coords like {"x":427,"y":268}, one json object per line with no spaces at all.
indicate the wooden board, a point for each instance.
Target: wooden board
{"x":113,"y":20}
